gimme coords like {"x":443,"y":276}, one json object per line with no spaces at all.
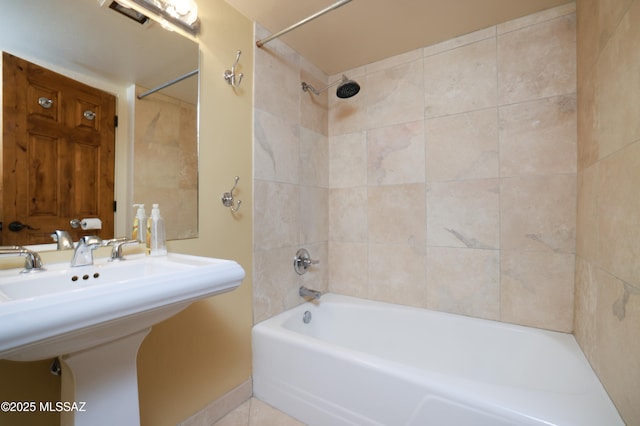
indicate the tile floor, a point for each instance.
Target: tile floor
{"x":256,"y":413}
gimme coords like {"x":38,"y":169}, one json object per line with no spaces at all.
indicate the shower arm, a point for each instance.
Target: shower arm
{"x":309,"y":88}
{"x":265,"y":40}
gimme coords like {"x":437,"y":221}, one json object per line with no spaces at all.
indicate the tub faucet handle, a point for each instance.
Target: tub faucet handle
{"x":303,"y":261}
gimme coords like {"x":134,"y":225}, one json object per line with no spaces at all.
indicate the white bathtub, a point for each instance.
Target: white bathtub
{"x":360,"y":362}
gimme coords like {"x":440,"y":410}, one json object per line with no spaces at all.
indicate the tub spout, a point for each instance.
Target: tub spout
{"x":307,"y":292}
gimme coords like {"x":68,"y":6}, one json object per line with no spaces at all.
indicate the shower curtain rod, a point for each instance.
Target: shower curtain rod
{"x":261,"y":43}
{"x":167,"y":84}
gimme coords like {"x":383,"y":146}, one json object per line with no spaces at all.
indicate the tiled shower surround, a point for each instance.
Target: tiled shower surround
{"x":448,"y":182}
{"x":455,"y":180}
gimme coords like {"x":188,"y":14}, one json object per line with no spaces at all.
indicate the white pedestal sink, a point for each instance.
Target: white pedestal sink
{"x":95,"y":318}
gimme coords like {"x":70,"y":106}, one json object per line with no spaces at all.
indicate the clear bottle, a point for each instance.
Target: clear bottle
{"x":139,"y":230}
{"x":156,"y":237}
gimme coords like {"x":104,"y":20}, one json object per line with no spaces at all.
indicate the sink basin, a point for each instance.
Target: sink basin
{"x":94,"y":319}
{"x":65,"y":310}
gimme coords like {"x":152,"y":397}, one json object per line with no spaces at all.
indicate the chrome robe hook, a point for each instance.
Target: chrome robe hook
{"x":230,"y":75}
{"x":227,"y":198}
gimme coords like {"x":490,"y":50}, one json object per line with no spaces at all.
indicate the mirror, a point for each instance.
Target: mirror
{"x":156,"y":137}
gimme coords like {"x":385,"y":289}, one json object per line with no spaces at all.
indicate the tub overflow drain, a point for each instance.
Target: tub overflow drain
{"x":306,"y":318}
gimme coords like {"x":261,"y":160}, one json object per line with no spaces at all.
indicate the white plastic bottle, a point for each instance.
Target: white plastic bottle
{"x":139,"y":231}
{"x":156,"y":238}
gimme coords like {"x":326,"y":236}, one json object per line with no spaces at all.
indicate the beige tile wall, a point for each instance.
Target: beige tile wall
{"x":453,"y":175}
{"x":291,"y":177}
{"x":448,"y":182}
{"x":607,"y":320}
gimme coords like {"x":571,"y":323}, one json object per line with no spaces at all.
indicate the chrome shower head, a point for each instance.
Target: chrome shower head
{"x":346,"y":88}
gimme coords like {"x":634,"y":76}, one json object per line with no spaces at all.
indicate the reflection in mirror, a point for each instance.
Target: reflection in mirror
{"x":90,"y":42}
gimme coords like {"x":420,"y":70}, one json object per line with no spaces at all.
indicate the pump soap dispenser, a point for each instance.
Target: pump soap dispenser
{"x":157,"y":237}
{"x":138,"y":232}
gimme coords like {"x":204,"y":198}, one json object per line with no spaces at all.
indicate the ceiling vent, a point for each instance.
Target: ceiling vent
{"x":127,"y":11}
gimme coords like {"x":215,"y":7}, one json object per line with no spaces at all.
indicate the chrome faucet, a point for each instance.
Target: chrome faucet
{"x":63,"y":239}
{"x":307,"y":292}
{"x":83,"y":255}
{"x":32,"y":260}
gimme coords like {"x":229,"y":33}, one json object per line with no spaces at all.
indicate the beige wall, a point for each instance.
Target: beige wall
{"x":192,"y":359}
{"x":607,"y":321}
{"x":205,"y":351}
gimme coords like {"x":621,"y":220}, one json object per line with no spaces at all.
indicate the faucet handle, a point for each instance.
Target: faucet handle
{"x":32,"y":262}
{"x":303,"y":261}
{"x":113,"y":241}
{"x":91,"y":241}
{"x":116,"y":252}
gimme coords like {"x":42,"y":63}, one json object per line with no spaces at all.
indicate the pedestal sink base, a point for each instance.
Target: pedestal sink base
{"x":105,"y":379}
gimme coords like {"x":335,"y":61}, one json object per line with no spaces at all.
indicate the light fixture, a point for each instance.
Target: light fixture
{"x":177,"y":15}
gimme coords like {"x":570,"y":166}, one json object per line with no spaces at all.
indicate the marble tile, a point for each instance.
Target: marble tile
{"x":349,"y":271}
{"x":393,"y":61}
{"x":618,"y":220}
{"x":537,"y":61}
{"x":464,"y":281}
{"x":588,"y":148}
{"x":166,"y":134}
{"x":394,"y":95}
{"x":348,"y":215}
{"x":314,"y":110}
{"x":276,"y":148}
{"x":587,"y":214}
{"x":276,"y":78}
{"x":538,"y":137}
{"x":179,"y":208}
{"x":586,"y":302}
{"x":263,"y":414}
{"x":316,"y":277}
{"x":587,"y":43}
{"x":537,"y":289}
{"x":395,"y":154}
{"x":276,"y":218}
{"x":462,"y":146}
{"x":257,"y":413}
{"x":349,"y":115}
{"x":314,"y":159}
{"x":537,"y":18}
{"x":348,"y":160}
{"x":449,"y":222}
{"x":617,"y":323}
{"x":275,"y":282}
{"x":238,"y":417}
{"x":396,"y":214}
{"x":538,"y":213}
{"x":460,"y":80}
{"x":463,"y":40}
{"x":314,"y":214}
{"x":397,"y":274}
{"x":616,"y":110}
{"x":608,"y":15}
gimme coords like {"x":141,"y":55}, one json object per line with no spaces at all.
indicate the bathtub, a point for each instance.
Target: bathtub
{"x":360,"y":362}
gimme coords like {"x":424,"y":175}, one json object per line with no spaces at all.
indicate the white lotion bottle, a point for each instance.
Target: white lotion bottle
{"x":157,"y":239}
